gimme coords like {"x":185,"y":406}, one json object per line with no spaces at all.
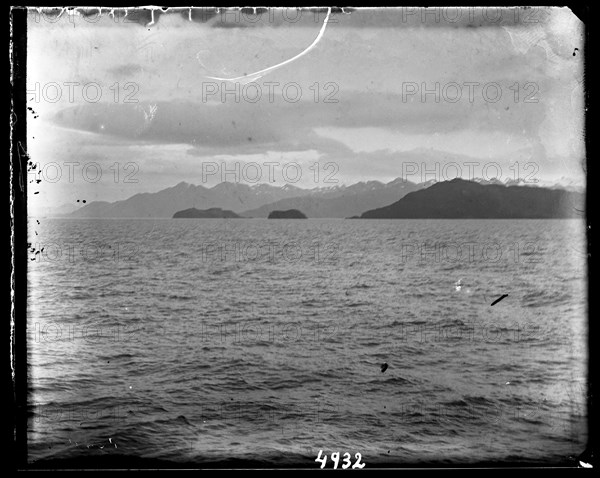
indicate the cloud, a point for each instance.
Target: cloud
{"x":126,"y":70}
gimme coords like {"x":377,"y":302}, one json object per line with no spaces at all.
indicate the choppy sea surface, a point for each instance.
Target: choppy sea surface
{"x":209,"y":341}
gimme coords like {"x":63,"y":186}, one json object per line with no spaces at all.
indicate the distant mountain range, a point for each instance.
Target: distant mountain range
{"x":460,"y":199}
{"x":233,"y":196}
{"x":342,"y":201}
{"x":261,"y":199}
{"x":254,"y":201}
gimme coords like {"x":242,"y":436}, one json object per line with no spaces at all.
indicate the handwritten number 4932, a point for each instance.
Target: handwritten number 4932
{"x":335,"y":457}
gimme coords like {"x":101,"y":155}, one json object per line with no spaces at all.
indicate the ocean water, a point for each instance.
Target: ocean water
{"x":209,"y":341}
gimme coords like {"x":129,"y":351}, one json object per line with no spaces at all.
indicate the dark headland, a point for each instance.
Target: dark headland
{"x":461,"y":199}
{"x":289,"y":214}
{"x":212,"y":213}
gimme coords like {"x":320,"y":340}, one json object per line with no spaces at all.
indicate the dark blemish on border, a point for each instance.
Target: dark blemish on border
{"x":576,"y":49}
{"x":499,"y":299}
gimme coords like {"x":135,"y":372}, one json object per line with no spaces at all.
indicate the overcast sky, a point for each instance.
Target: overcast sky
{"x":361,"y":106}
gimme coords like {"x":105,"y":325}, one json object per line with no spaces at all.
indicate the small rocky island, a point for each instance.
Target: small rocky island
{"x":212,"y":213}
{"x":289,"y":214}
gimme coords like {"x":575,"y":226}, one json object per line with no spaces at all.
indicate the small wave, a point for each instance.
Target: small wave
{"x":451,"y":322}
{"x":456,"y":403}
{"x":310,"y":302}
{"x":120,"y":356}
{"x":478,"y":400}
{"x":392,"y":381}
{"x":361,"y":286}
{"x":179,"y":297}
{"x":543,"y":298}
{"x":358,"y":304}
